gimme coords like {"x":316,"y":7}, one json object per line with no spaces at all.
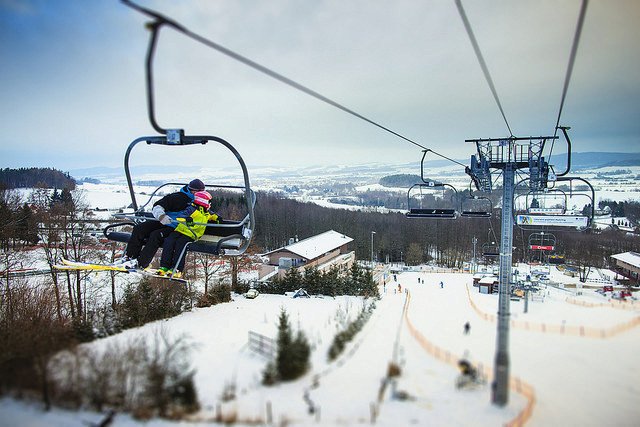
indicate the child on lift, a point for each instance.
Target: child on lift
{"x":191,"y":226}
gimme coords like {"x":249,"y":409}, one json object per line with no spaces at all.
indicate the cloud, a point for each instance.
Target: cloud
{"x":75,"y":81}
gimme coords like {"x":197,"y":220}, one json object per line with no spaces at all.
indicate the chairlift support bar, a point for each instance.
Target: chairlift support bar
{"x":566,"y":137}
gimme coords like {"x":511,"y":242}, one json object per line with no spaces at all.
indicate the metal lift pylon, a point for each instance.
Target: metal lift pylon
{"x":508,"y":155}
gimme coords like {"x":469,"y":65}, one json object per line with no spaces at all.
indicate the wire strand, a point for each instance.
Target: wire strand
{"x":572,"y":59}
{"x":481,"y":60}
{"x":445,"y":157}
{"x":180,"y":28}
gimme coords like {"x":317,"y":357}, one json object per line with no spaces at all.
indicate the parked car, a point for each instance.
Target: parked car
{"x":251,"y":293}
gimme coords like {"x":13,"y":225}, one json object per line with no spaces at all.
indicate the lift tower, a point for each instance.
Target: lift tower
{"x":507,"y":155}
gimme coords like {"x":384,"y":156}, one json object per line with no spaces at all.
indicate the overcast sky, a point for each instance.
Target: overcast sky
{"x":72,"y":78}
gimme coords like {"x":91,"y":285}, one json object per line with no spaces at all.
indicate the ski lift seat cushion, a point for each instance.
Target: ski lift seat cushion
{"x":431,"y":213}
{"x":230,"y":232}
{"x":476,"y":214}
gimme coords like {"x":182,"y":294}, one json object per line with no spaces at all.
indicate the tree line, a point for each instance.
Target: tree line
{"x":414,"y":241}
{"x":36,"y":177}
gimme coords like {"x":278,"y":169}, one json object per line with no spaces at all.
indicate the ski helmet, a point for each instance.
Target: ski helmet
{"x":202,"y":199}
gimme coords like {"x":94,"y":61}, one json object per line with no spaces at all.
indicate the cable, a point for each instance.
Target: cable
{"x":483,"y":65}
{"x":445,"y":157}
{"x":162,"y":20}
{"x":572,"y":58}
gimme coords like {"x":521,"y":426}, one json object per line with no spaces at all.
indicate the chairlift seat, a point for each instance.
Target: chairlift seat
{"x":432,"y":213}
{"x":226,"y":236}
{"x":476,"y":214}
{"x":491,"y":254}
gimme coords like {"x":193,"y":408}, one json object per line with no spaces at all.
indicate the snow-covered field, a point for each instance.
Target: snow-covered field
{"x":568,"y":375}
{"x":573,"y":357}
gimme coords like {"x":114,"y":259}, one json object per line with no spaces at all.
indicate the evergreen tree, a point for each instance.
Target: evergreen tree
{"x":292,"y":360}
{"x":27,"y":226}
{"x":312,"y":280}
{"x":291,"y":281}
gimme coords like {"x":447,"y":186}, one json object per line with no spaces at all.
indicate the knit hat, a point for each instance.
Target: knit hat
{"x":202,"y":199}
{"x":196,"y":185}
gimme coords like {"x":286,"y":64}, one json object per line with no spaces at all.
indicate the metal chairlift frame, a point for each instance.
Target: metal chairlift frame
{"x":542,"y":243}
{"x":542,"y":240}
{"x":476,"y":213}
{"x":433,"y":213}
{"x":537,"y":195}
{"x":490,"y":250}
{"x":228,"y":238}
{"x":563,"y":221}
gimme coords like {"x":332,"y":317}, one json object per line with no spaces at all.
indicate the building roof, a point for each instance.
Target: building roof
{"x":631,"y":258}
{"x":315,"y":246}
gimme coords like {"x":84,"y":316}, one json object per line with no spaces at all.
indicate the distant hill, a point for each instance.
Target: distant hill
{"x":35,"y":177}
{"x":579,"y":161}
{"x":593,"y":160}
{"x":401,"y":180}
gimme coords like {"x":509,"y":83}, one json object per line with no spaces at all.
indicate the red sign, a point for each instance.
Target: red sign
{"x":541,"y":248}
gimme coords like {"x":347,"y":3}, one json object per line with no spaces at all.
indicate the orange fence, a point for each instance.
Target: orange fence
{"x":580,"y":331}
{"x":516,"y":384}
{"x":620,"y":305}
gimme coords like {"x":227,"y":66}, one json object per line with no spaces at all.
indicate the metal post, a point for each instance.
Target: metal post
{"x":474,"y":268}
{"x":372,"y":233}
{"x":501,"y":381}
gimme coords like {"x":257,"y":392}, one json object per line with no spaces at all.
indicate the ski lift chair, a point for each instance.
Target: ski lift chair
{"x":435,"y":212}
{"x":430,"y":212}
{"x":227,"y":238}
{"x":470,"y":209}
{"x":536,"y":216}
{"x":490,"y":250}
{"x":542,"y":244}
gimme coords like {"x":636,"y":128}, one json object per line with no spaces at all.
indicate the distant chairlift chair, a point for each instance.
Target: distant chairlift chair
{"x":430,"y":212}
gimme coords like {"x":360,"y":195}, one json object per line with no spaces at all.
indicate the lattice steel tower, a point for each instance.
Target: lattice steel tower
{"x":507,"y":155}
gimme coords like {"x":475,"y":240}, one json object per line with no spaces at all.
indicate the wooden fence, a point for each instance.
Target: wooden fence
{"x":262,"y":345}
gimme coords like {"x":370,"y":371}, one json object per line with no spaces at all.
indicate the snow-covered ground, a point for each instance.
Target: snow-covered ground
{"x":575,"y":378}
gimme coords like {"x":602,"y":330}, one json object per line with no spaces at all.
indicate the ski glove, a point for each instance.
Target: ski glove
{"x":165,"y":219}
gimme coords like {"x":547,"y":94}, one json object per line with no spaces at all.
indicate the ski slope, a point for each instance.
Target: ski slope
{"x":570,"y":374}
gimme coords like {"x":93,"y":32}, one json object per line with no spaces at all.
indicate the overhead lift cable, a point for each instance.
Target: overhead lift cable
{"x":163,"y":20}
{"x":572,"y":59}
{"x":483,"y":64}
